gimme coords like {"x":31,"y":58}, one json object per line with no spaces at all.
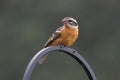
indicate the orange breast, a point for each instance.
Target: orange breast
{"x":67,"y":38}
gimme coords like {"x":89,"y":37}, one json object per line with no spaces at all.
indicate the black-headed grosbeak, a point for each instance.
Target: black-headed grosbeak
{"x":65,"y":35}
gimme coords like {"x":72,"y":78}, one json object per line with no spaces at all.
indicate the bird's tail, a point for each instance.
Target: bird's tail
{"x":42,"y":59}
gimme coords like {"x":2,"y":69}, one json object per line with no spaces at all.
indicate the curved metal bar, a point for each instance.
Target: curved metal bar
{"x":67,"y":50}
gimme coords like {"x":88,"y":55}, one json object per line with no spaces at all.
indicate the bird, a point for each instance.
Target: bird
{"x":65,"y":35}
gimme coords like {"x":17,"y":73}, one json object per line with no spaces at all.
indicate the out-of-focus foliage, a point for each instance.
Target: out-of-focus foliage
{"x":25,"y":25}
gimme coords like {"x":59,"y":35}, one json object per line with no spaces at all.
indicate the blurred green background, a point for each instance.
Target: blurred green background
{"x":25,"y":25}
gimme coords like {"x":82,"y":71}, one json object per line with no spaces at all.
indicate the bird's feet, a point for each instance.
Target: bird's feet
{"x":61,"y":46}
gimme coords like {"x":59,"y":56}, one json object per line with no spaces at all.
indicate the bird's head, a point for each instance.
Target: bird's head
{"x":70,"y":22}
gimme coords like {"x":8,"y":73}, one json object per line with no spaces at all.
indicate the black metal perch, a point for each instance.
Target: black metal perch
{"x":67,"y":50}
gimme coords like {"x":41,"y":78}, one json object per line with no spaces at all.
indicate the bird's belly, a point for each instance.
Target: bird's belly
{"x":68,"y":41}
{"x":69,"y":37}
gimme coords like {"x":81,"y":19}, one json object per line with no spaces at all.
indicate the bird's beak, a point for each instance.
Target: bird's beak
{"x":63,"y":21}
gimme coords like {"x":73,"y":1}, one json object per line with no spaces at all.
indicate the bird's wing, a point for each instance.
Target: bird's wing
{"x":54,"y":36}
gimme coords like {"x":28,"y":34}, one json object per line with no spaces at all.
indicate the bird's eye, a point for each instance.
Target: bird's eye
{"x":70,"y":20}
